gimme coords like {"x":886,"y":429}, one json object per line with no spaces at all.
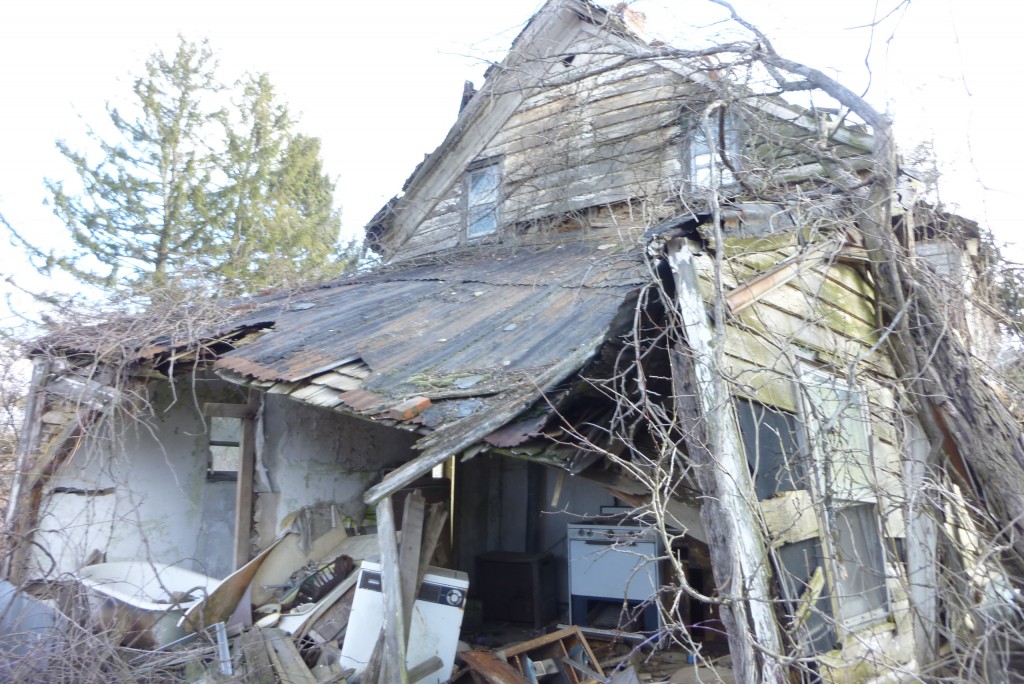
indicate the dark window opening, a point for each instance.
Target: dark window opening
{"x":770,"y":443}
{"x":806,"y":592}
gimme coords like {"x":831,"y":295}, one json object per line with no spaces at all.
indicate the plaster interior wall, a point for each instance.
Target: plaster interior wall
{"x":578,"y":500}
{"x":507,"y":504}
{"x":137,"y":489}
{"x":309,"y":456}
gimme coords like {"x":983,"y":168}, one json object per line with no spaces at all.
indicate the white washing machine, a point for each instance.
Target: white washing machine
{"x":436,"y":620}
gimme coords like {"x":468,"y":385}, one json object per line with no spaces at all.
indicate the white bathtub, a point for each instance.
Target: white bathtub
{"x":143,"y":601}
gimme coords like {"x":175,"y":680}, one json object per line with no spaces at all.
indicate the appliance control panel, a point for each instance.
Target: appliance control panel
{"x":610,"y":533}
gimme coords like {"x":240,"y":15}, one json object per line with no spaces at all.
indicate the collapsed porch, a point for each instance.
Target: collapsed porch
{"x":588,"y":358}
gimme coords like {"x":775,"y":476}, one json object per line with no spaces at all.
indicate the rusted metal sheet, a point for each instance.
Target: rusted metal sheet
{"x":516,"y":433}
{"x":423,"y":328}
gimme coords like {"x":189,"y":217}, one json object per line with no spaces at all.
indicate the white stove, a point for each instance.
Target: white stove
{"x":611,"y":564}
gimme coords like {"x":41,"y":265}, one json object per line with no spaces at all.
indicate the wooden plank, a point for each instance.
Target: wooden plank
{"x":427,"y":667}
{"x":753,"y":290}
{"x":255,"y":657}
{"x":491,"y":668}
{"x":572,"y":633}
{"x":435,"y":526}
{"x":291,"y":669}
{"x":409,"y":555}
{"x":333,"y":624}
{"x":338,"y":381}
{"x":21,"y":513}
{"x":393,"y":659}
{"x":790,"y":517}
{"x":244,"y":485}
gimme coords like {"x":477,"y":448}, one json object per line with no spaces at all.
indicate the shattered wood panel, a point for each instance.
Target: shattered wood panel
{"x":790,"y":517}
{"x":773,"y":387}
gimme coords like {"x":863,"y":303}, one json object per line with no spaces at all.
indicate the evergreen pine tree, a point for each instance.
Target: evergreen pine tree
{"x":190,"y":191}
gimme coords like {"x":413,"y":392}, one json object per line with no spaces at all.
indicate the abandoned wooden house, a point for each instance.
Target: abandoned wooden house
{"x":623,"y":330}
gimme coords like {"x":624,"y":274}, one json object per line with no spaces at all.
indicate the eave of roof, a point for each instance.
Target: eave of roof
{"x":463,"y":332}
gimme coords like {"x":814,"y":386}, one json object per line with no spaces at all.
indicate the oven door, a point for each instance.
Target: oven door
{"x":605,"y":568}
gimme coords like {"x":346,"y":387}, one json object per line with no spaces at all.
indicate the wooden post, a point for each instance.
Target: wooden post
{"x":409,"y":555}
{"x":738,"y":552}
{"x":21,"y":513}
{"x":393,"y":669}
{"x":243,"y":492}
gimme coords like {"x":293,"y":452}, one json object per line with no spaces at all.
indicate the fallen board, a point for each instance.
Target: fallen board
{"x":222,"y":601}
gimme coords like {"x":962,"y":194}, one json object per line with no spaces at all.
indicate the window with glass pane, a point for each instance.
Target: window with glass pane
{"x":225,"y":448}
{"x":806,"y":591}
{"x":769,"y":440}
{"x":482,"y":200}
{"x":705,"y":151}
{"x":837,"y":423}
{"x":860,"y":581}
{"x":836,"y":418}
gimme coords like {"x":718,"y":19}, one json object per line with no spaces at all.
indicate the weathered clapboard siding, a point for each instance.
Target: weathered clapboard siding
{"x":437,"y":231}
{"x":600,"y":131}
{"x":594,"y":131}
{"x":604,"y":81}
{"x":789,"y":316}
{"x":625,"y":96}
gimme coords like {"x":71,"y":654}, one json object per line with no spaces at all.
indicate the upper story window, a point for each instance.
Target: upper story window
{"x":482,"y":195}
{"x":708,"y":142}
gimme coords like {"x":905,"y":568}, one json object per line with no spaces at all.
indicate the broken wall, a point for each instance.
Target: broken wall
{"x":313,"y":456}
{"x":137,"y":488}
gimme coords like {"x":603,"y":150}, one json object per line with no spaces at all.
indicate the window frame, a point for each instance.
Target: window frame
{"x":848,"y":497}
{"x":848,"y":523}
{"x":214,"y":474}
{"x":486,"y":203}
{"x":698,"y":173}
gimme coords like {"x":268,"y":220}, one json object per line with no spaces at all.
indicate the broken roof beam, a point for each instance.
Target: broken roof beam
{"x":749,"y":293}
{"x":448,"y":441}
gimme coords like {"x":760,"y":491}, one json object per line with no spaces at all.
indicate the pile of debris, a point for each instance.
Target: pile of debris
{"x":367,"y":608}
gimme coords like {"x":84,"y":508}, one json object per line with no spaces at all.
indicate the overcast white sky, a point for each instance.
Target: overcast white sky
{"x":380,"y":82}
